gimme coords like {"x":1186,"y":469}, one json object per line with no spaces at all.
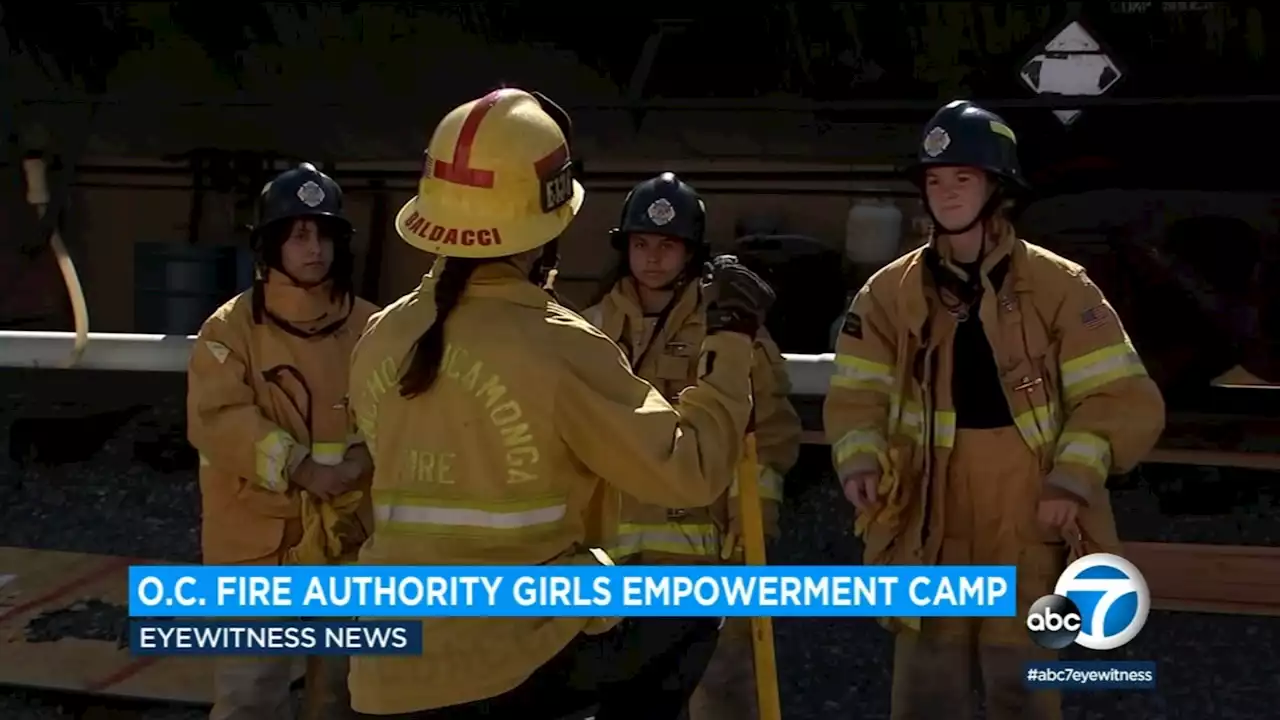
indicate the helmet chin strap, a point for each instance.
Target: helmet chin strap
{"x":544,"y":270}
{"x":300,"y":283}
{"x":692,"y":269}
{"x":675,"y":283}
{"x":984,"y":214}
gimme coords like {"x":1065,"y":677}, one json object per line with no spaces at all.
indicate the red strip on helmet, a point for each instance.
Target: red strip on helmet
{"x":459,"y":170}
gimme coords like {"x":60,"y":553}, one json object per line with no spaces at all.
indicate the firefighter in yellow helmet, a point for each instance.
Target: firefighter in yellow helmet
{"x":501,"y":424}
{"x":265,"y":410}
{"x":984,"y":390}
{"x":653,"y":308}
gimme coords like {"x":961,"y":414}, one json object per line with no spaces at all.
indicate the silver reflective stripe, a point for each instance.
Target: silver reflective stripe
{"x":855,"y":373}
{"x":1081,"y":448}
{"x":672,"y":538}
{"x":1087,"y":373}
{"x":426,"y":515}
{"x":856,"y":442}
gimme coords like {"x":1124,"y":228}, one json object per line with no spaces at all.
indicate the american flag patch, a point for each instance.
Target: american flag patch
{"x":1096,"y":316}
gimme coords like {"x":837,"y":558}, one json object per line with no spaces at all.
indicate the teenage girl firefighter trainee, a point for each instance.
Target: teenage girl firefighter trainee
{"x":265,"y":409}
{"x":653,"y":308}
{"x":501,"y":422}
{"x":984,"y":390}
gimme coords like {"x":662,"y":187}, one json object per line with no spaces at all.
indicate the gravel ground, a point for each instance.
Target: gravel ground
{"x":137,"y":496}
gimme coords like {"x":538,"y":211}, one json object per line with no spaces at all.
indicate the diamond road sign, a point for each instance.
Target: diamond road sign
{"x":1071,"y":64}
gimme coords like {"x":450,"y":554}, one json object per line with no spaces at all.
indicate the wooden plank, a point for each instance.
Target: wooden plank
{"x":39,"y":581}
{"x":1235,"y":579}
{"x":1164,"y":456}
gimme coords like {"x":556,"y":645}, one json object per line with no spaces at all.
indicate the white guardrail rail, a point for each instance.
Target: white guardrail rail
{"x":810,"y":374}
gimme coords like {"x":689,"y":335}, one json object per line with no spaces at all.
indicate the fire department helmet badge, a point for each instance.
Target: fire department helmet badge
{"x":936,"y":142}
{"x":311,"y":194}
{"x":661,"y":212}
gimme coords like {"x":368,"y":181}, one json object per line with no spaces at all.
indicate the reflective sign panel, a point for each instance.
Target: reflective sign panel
{"x":1071,"y":64}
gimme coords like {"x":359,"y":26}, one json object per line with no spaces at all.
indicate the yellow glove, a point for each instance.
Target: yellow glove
{"x":886,"y":512}
{"x":889,"y":491}
{"x":324,"y":527}
{"x":339,"y":522}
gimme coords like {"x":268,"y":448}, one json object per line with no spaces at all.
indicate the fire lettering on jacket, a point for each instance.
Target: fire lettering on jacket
{"x":425,"y":466}
{"x":466,"y":237}
{"x":381,"y":380}
{"x":506,"y":415}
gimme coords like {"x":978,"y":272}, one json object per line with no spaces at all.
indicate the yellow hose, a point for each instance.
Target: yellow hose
{"x":753,"y":545}
{"x":38,"y":195}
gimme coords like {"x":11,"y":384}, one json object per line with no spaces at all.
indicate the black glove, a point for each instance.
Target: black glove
{"x":737,"y":299}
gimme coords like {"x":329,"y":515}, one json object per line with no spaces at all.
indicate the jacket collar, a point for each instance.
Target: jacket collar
{"x":915,"y":286}
{"x":305,"y":308}
{"x":626,"y":298}
{"x":498,"y":280}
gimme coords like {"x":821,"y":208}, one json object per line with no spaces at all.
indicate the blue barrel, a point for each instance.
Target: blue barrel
{"x":177,"y":285}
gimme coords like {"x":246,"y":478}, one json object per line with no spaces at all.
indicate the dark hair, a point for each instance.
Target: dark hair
{"x":428,"y":352}
{"x":274,"y":236}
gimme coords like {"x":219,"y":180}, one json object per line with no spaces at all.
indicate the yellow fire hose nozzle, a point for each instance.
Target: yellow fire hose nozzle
{"x":38,"y":195}
{"x":766,"y":661}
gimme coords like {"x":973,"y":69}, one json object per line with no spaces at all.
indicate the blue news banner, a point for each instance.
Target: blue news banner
{"x":189,"y":609}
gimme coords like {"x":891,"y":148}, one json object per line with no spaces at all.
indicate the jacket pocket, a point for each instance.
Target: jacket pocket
{"x":673,"y":374}
{"x":231,"y":531}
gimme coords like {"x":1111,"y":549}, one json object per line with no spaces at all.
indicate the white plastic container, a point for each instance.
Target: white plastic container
{"x":873,"y":232}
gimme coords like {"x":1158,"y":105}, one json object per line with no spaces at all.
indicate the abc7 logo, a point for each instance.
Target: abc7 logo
{"x":1118,"y":607}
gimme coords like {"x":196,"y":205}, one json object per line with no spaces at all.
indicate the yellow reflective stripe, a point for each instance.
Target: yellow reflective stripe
{"x":1087,"y":449}
{"x":328,"y":453}
{"x":855,"y":373}
{"x":907,"y":420}
{"x":698,"y":539}
{"x":910,"y":422}
{"x":271,"y":460}
{"x":1038,"y":426}
{"x":768,"y":480}
{"x":407,"y":512}
{"x":944,"y":428}
{"x":1090,"y":371}
{"x":857,"y":442}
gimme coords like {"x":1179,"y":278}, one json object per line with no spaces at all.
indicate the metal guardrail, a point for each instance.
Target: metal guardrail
{"x":105,"y":351}
{"x":810,"y":374}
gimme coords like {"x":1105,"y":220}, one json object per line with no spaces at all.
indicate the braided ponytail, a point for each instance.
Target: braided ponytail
{"x":428,"y":352}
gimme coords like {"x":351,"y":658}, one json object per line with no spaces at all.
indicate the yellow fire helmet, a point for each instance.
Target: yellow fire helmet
{"x":497,"y":180}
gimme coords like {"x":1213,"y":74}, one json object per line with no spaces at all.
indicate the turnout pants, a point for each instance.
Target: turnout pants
{"x":990,"y":500}
{"x":728,"y":689}
{"x":642,"y":669}
{"x":258,"y":687}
